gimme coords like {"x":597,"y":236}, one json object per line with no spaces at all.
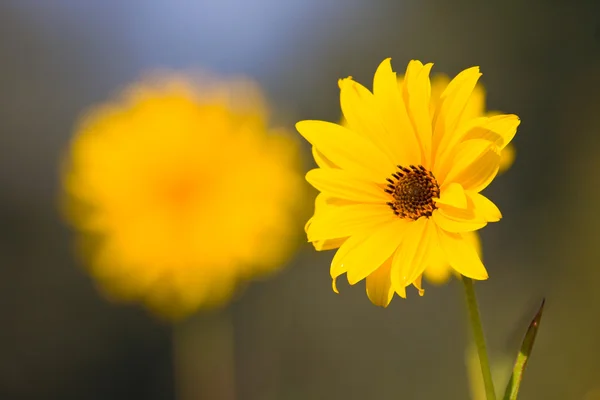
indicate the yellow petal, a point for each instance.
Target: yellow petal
{"x":321,"y":160}
{"x":454,"y":219}
{"x":416,"y":95}
{"x":499,"y":129}
{"x":476,"y":106}
{"x":452,"y":105}
{"x":484,"y":208}
{"x":438,"y":272}
{"x":417,"y":284}
{"x":464,"y":155}
{"x":346,"y":149}
{"x":507,"y":157}
{"x":308,"y":224}
{"x":410,"y":260}
{"x":379,"y":285}
{"x":462,"y":255}
{"x":475,"y":241}
{"x":346,"y":221}
{"x":438,"y":269}
{"x":402,"y":138}
{"x":341,"y":184}
{"x":337,"y":266}
{"x":324,"y":203}
{"x":439,"y":82}
{"x":376,"y":248}
{"x":362,"y":116}
{"x":329,"y":244}
{"x":453,"y":195}
{"x":445,"y":154}
{"x":475,"y":165}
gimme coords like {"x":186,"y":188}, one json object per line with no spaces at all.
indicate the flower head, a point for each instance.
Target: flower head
{"x":400,"y":185}
{"x":183,"y":192}
{"x":440,"y":272}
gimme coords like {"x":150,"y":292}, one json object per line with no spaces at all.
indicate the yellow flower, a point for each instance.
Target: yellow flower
{"x":181,"y":192}
{"x":475,"y":107}
{"x":400,"y":185}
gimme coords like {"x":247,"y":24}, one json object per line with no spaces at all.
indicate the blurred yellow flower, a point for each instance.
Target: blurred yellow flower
{"x":400,"y":185}
{"x":181,"y":192}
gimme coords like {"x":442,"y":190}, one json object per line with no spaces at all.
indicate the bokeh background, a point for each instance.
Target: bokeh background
{"x":293,"y":337}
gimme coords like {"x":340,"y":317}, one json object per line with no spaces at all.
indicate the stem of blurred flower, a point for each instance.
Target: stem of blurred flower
{"x":203,"y":353}
{"x":479,"y":338}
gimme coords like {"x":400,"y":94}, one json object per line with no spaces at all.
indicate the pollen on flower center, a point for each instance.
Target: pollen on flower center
{"x":413,"y":190}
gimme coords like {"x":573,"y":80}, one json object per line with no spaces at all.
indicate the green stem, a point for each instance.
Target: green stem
{"x":479,"y":338}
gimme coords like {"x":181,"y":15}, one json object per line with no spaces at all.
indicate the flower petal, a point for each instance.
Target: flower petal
{"x":362,"y":116}
{"x":418,"y":284}
{"x":417,"y":94}
{"x":344,"y":185}
{"x":476,"y":106}
{"x":321,"y":160}
{"x":474,"y":240}
{"x":344,"y":221}
{"x":507,"y":158}
{"x":439,"y":83}
{"x":445,"y":154}
{"x":475,"y":165}
{"x":484,"y":208}
{"x":438,"y":271}
{"x":452,"y":104}
{"x":379,"y":285}
{"x":411,"y":258}
{"x":337,"y":266}
{"x":499,"y":129}
{"x":453,"y":195}
{"x":376,"y":248}
{"x":347,"y":149}
{"x":454,"y":219}
{"x":324,"y":203}
{"x":462,"y":255}
{"x":329,"y":244}
{"x":402,"y":138}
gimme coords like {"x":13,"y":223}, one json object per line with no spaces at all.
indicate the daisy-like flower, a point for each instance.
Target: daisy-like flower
{"x":439,"y":273}
{"x":400,"y":185}
{"x":167,"y":187}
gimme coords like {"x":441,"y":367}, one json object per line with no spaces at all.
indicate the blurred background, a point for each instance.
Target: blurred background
{"x":293,"y":337}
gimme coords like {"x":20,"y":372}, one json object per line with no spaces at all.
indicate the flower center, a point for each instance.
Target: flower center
{"x":413,"y":190}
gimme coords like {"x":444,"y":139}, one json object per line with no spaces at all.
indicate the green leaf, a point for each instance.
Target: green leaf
{"x":512,"y":390}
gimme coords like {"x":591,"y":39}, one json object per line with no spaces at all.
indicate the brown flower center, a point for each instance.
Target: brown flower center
{"x":413,"y":190}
